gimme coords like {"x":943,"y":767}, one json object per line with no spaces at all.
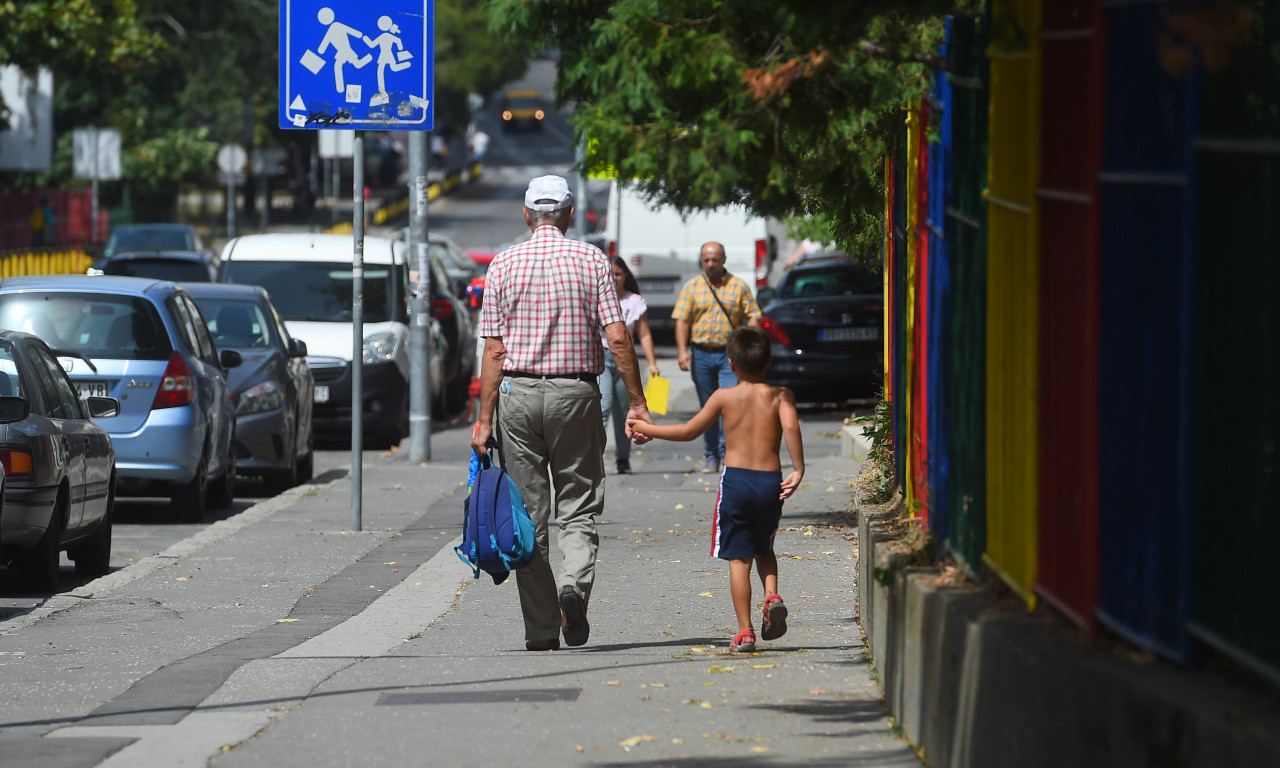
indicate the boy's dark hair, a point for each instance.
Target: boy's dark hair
{"x":748,"y":348}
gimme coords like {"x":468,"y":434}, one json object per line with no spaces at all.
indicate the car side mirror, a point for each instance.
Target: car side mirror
{"x":102,"y":407}
{"x":765,"y":295}
{"x":229,"y":358}
{"x":13,"y":409}
{"x":297,"y":348}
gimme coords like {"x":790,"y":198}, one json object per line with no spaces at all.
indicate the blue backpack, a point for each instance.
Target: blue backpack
{"x":497,"y":532}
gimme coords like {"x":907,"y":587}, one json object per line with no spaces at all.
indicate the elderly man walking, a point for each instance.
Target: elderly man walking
{"x":707,"y":310}
{"x":546,"y":301}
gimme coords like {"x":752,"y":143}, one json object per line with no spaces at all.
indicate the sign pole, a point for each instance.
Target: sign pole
{"x":231,"y":206}
{"x":93,"y":225}
{"x":420,"y":306}
{"x":357,"y":334}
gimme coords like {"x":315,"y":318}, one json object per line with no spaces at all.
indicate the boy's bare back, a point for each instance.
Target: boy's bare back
{"x":753,"y":423}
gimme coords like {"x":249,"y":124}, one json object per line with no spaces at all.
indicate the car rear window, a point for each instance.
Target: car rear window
{"x":150,"y":240}
{"x":10,"y":381}
{"x":318,"y":291}
{"x":179,"y":271}
{"x":102,"y":326}
{"x":844,"y":279}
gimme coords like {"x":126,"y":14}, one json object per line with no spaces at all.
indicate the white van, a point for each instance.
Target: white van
{"x":662,"y":247}
{"x":309,"y":278}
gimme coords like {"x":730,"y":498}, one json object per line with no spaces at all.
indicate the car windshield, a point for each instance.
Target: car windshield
{"x":143,"y":239}
{"x":10,"y":381}
{"x":236,"y":323}
{"x":317,"y":291}
{"x":847,"y":278}
{"x":177,"y":270}
{"x":95,"y":325}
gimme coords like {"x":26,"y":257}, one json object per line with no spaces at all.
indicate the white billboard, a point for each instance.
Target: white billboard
{"x":97,"y":154}
{"x":28,"y":144}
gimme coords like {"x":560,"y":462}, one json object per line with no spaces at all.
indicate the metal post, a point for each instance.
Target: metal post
{"x":357,"y":335}
{"x":420,"y":305}
{"x":580,"y":199}
{"x":231,"y":205}
{"x":337,"y":181}
{"x":93,"y":225}
{"x":265,"y":183}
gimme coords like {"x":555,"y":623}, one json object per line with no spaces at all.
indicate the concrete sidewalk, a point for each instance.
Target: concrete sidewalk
{"x":279,"y":637}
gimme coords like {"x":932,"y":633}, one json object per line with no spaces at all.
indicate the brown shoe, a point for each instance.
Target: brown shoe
{"x":574,"y":609}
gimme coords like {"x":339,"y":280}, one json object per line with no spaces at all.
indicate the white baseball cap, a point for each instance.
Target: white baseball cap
{"x":553,"y":188}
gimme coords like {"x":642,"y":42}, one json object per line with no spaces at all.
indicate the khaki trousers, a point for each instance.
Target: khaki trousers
{"x":553,"y":448}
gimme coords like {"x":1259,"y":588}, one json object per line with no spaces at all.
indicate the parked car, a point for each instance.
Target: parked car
{"x":144,"y":343}
{"x":460,"y":268}
{"x":826,"y":323}
{"x":522,"y":109}
{"x":140,"y":238}
{"x":271,"y":389}
{"x":59,"y":467}
{"x":309,"y":277}
{"x":178,"y":266}
{"x":451,"y":312}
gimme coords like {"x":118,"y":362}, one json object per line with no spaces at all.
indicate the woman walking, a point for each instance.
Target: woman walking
{"x":613,"y":392}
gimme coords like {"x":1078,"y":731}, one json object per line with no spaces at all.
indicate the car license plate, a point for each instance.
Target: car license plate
{"x":848,"y":334}
{"x":322,"y":394}
{"x":656,"y":285}
{"x":92,"y":388}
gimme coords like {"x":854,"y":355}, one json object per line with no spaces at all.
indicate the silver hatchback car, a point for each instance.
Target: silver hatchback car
{"x":145,"y":343}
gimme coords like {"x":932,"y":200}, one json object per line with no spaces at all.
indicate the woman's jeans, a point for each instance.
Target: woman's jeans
{"x":614,"y":399}
{"x":711,"y":371}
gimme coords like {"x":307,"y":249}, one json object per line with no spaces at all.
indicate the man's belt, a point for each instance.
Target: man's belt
{"x":589,"y":378}
{"x":707,"y":347}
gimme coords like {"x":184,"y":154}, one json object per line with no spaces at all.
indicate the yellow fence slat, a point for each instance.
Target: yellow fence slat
{"x":1013,"y":287}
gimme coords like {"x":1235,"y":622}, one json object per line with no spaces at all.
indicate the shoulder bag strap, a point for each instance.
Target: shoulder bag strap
{"x":716,"y":296}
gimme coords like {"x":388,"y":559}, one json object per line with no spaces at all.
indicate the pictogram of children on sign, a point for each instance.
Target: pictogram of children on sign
{"x":338,"y":36}
{"x":387,"y":43}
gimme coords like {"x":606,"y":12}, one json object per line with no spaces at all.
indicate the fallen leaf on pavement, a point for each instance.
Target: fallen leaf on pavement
{"x":716,"y":669}
{"x":612,"y":682}
{"x":287,"y":621}
{"x":705,"y":594}
{"x":635,"y":740}
{"x":763,"y":666}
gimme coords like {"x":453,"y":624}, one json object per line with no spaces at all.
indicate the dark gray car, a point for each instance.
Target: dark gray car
{"x":271,"y":390}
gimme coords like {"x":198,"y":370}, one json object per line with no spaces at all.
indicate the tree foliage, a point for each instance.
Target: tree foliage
{"x":786,"y":106}
{"x":179,"y":79}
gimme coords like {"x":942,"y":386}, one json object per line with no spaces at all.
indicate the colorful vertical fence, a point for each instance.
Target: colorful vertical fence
{"x":1013,"y":287}
{"x":964,"y":178}
{"x":939,"y":304}
{"x":1073,"y":61}
{"x":1084,"y":254}
{"x":1144,"y":491}
{"x":1237,"y":355}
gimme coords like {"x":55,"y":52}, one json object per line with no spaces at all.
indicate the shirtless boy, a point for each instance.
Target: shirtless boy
{"x":757,"y":416}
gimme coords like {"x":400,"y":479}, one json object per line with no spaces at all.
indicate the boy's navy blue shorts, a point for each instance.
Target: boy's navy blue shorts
{"x":747,"y":513}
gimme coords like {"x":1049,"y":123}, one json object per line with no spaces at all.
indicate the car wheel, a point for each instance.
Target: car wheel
{"x":223,"y":490}
{"x":93,"y":557}
{"x":188,"y":499}
{"x":307,"y":465}
{"x":39,"y":568}
{"x":283,"y":480}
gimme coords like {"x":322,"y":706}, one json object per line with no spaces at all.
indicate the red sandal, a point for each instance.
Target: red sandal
{"x":745,"y":642}
{"x":774,"y":624}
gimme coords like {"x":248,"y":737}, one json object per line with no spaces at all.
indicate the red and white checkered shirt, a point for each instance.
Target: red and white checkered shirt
{"x":548,"y":299}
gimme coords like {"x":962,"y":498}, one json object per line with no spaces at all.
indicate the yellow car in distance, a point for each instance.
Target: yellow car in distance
{"x":521,"y":110}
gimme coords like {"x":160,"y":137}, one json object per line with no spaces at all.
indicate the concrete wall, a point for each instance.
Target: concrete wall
{"x":978,"y":682}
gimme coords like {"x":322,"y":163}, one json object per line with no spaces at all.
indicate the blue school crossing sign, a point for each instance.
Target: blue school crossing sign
{"x":354,"y":64}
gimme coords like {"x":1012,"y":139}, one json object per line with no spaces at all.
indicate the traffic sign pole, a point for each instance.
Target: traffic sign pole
{"x":420,"y":308}
{"x":357,"y":335}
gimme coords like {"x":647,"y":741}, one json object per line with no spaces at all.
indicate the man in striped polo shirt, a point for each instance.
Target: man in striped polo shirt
{"x":545,"y":302}
{"x":709,"y":307}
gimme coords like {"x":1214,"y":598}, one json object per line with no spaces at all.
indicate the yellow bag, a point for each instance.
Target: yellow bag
{"x":656,"y":393}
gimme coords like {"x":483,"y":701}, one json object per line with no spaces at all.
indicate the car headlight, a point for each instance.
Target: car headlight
{"x":263,"y":396}
{"x":379,"y":348}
